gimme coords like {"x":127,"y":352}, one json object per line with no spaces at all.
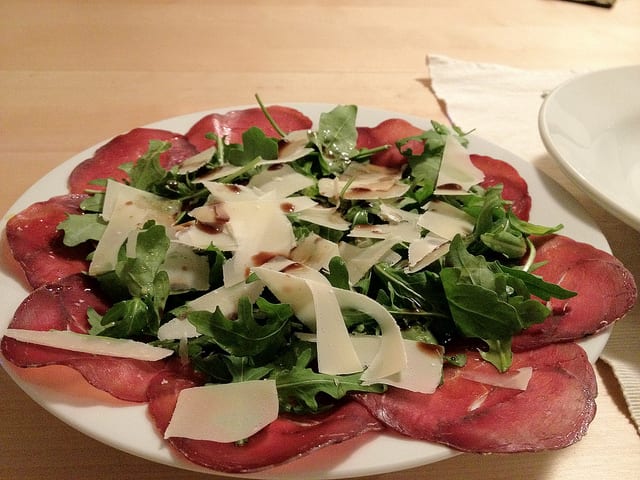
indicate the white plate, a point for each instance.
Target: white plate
{"x":126,"y":426}
{"x":591,"y":125}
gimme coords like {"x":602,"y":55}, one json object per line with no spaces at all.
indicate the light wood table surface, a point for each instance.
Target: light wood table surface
{"x":75,"y":73}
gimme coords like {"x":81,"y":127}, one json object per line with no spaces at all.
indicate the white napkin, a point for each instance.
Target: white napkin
{"x":502,"y":104}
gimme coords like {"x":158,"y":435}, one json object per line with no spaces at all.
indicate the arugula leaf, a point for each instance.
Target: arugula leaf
{"x":139,"y":273}
{"x":299,"y":387}
{"x":419,"y":290}
{"x":125,"y":319}
{"x":244,"y":336}
{"x":336,"y":137}
{"x":304,"y":385}
{"x":425,"y":166}
{"x":497,"y":228}
{"x":488,"y":302}
{"x":145,"y":283}
{"x":499,"y":354}
{"x":147,"y":171}
{"x":255,"y":144}
{"x":82,"y":228}
{"x":537,"y":286}
{"x":338,"y":274}
{"x":244,"y":369}
{"x":93,"y":203}
{"x":530,"y":228}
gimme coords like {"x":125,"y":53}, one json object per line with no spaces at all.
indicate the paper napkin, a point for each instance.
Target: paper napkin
{"x":502,"y":103}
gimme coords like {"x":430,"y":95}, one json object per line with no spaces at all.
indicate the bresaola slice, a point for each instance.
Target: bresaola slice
{"x":606,"y":291}
{"x":497,"y":172}
{"x":553,"y":412}
{"x":36,"y":242}
{"x":125,"y":148}
{"x":514,"y":187}
{"x":389,"y":132}
{"x":63,"y":306}
{"x":233,"y":124}
{"x":285,"y":439}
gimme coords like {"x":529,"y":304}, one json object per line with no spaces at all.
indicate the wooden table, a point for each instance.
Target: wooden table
{"x":75,"y":73}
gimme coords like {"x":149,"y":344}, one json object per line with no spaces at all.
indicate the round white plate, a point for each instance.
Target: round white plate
{"x":591,"y":125}
{"x":126,"y":426}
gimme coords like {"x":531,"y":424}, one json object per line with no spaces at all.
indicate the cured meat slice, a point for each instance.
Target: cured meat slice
{"x":497,"y":172}
{"x":63,"y":306}
{"x":285,"y":439}
{"x":553,"y":412}
{"x":606,"y":291}
{"x":125,"y":148}
{"x":234,"y":123}
{"x":60,"y":306}
{"x":36,"y":242}
{"x":515,"y":188}
{"x":389,"y":132}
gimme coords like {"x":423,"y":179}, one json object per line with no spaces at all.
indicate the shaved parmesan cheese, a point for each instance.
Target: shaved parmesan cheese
{"x":391,"y":356}
{"x":325,"y":217}
{"x":425,"y":251}
{"x":261,"y":229}
{"x":295,"y":146}
{"x":403,"y":231}
{"x":446,"y":220}
{"x":289,"y":289}
{"x":314,"y":302}
{"x":197,"y":161}
{"x":202,"y":236}
{"x":176,"y":329}
{"x":364,"y":182}
{"x":213,"y":214}
{"x":397,"y":215}
{"x":336,"y":354}
{"x":315,"y":252}
{"x":226,"y":412}
{"x":518,"y":379}
{"x":118,"y":194}
{"x":284,"y":180}
{"x":457,"y":173}
{"x":80,"y":342}
{"x":423,"y":372}
{"x":186,"y":270}
{"x":226,"y":298}
{"x":360,"y":259}
{"x":296,"y":204}
{"x":218,"y":173}
{"x":127,"y":209}
{"x":225,"y":192}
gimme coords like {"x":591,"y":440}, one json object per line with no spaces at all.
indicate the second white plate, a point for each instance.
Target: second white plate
{"x":591,"y":125}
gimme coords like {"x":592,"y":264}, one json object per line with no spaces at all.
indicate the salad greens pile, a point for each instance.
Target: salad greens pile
{"x":481,"y":293}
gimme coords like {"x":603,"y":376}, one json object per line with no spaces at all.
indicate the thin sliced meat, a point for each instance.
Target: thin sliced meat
{"x":515,"y":189}
{"x":234,"y":123}
{"x":36,"y":242}
{"x":389,"y":132}
{"x":606,"y":291}
{"x":60,"y":306}
{"x":283,"y":440}
{"x":553,"y":412}
{"x":63,"y":306}
{"x":125,"y":148}
{"x":497,"y":172}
